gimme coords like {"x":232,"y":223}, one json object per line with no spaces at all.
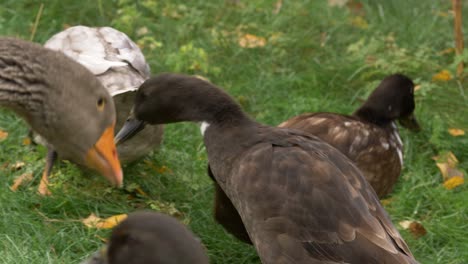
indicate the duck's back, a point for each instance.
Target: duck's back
{"x":302,"y":201}
{"x":375,"y":150}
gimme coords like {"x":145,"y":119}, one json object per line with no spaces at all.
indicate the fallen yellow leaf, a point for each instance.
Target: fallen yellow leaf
{"x":251,"y":41}
{"x":142,"y":31}
{"x":275,"y":37}
{"x":454,"y":182}
{"x":17,"y":166}
{"x":92,"y":221}
{"x":278,"y":6}
{"x":415,"y":228}
{"x":22,"y":179}
{"x":141,"y":192}
{"x":417,"y":87}
{"x":338,"y":3}
{"x":447,"y":164}
{"x":3,"y":134}
{"x":442,"y":14}
{"x":163,"y":169}
{"x":168,"y":208}
{"x":443,"y":75}
{"x":456,"y":132}
{"x":405,"y":224}
{"x":447,"y":51}
{"x":26,"y":141}
{"x":359,"y":22}
{"x":386,"y":202}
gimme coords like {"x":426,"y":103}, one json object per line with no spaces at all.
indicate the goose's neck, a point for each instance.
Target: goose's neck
{"x":21,"y":87}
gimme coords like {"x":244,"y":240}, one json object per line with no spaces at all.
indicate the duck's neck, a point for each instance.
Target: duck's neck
{"x":224,"y":127}
{"x":371,"y":115}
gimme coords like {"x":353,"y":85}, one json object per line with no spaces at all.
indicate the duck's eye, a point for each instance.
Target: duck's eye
{"x":101,"y":102}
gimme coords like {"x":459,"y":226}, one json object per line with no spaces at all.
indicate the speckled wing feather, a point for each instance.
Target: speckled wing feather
{"x":102,"y":50}
{"x":377,"y":152}
{"x":302,"y":201}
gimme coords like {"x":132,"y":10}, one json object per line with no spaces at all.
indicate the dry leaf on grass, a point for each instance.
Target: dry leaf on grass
{"x":168,"y":208}
{"x":456,"y":132}
{"x":415,"y":228}
{"x":92,"y":221}
{"x":142,"y":31}
{"x":17,"y":166}
{"x":446,"y":51}
{"x":20,"y":180}
{"x":447,"y":164}
{"x":338,"y":3}
{"x":3,"y":134}
{"x":356,"y":8}
{"x":251,"y":41}
{"x":359,"y":22}
{"x":454,"y":182}
{"x":163,"y":169}
{"x":386,"y":202}
{"x":278,"y":6}
{"x":26,"y":141}
{"x":443,"y":76}
{"x":135,"y":190}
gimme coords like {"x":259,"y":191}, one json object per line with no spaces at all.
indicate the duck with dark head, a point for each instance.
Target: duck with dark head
{"x":300,"y":199}
{"x":369,"y":137}
{"x":149,"y":237}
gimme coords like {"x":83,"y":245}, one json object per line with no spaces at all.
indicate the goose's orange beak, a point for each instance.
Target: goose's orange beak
{"x":103,"y":157}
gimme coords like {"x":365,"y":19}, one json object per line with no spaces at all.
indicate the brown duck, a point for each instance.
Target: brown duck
{"x":369,"y":137}
{"x":64,"y":103}
{"x":301,"y":200}
{"x":148,"y":237}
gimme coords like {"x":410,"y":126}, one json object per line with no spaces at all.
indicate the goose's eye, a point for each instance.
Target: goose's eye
{"x":101,"y":102}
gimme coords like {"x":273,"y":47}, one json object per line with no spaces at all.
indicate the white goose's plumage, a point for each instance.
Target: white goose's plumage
{"x":119,"y":64}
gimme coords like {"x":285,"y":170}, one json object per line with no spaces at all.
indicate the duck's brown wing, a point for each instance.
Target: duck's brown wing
{"x":346,"y":133}
{"x":302,"y":201}
{"x":226,"y":214}
{"x":373,"y":149}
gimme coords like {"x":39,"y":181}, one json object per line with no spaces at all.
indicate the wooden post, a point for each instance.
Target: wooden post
{"x":457,"y":10}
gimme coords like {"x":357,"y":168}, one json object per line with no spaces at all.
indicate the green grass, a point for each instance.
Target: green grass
{"x":316,"y":61}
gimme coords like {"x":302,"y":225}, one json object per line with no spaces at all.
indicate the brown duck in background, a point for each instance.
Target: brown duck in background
{"x":148,"y":237}
{"x":121,"y":67}
{"x":64,"y":103}
{"x":301,"y":200}
{"x":369,"y":137}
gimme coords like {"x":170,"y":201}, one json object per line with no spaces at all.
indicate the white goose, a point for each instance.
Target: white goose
{"x":119,"y":64}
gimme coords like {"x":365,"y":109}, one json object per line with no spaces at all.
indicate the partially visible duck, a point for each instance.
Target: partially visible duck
{"x":148,"y":237}
{"x":121,"y":67}
{"x":369,"y":137}
{"x":301,"y":200}
{"x":64,"y":103}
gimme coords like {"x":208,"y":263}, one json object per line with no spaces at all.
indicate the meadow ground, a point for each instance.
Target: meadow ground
{"x":310,"y":57}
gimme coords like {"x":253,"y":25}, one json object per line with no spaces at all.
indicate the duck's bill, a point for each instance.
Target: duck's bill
{"x":103,"y":157}
{"x":130,"y":128}
{"x":410,"y":122}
